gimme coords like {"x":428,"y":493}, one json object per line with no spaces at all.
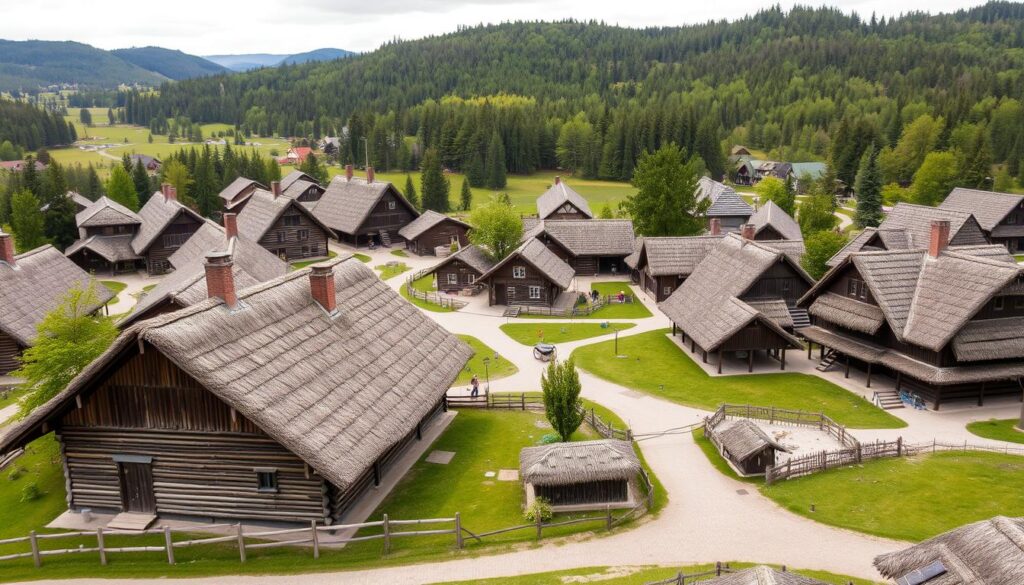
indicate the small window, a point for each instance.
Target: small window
{"x":999,"y":303}
{"x":863,"y":291}
{"x":784,"y":286}
{"x":471,"y":278}
{"x":534,"y":292}
{"x":291,"y":220}
{"x":391,"y":205}
{"x":852,"y":287}
{"x":280,"y":237}
{"x":1018,"y":302}
{"x":510,"y":292}
{"x":302,"y":234}
{"x":518,"y":272}
{"x":1011,"y":219}
{"x":453,"y":278}
{"x":666,"y":291}
{"x":305,"y":252}
{"x":266,"y":480}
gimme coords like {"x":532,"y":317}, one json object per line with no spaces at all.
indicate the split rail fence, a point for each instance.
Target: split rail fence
{"x":719,"y":570}
{"x":574,"y":310}
{"x":431,"y":297}
{"x":534,"y":401}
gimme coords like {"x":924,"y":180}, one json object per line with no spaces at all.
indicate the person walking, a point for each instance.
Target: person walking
{"x":475,"y":390}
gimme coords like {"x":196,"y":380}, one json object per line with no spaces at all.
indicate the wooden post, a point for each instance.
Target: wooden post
{"x":169,"y":545}
{"x":705,"y":358}
{"x":419,"y":432}
{"x":376,"y":473}
{"x":458,"y":531}
{"x":316,"y":539}
{"x":783,"y":359}
{"x":847,"y":374}
{"x":540,"y":525}
{"x":608,"y":517}
{"x":35,"y":548}
{"x":899,"y":379}
{"x":99,"y":545}
{"x":750,"y":361}
{"x":869,"y":374}
{"x":899,"y":446}
{"x":719,"y":361}
{"x":981,"y":397}
{"x":810,"y":348}
{"x":241,"y":543}
{"x":718,"y":569}
{"x":693,"y":345}
{"x":522,"y":400}
{"x":387,"y":536}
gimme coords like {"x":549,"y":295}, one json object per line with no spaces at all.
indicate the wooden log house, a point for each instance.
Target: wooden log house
{"x":364,"y":211}
{"x":1000,"y":215}
{"x":433,"y":230}
{"x":589,"y":247}
{"x":724,"y":204}
{"x":747,"y":448}
{"x":560,"y":201}
{"x":581,"y":475}
{"x":282,"y":225}
{"x":531,"y":275}
{"x":461,"y":270}
{"x":166,"y":226}
{"x":105,"y":233}
{"x":280,"y":402}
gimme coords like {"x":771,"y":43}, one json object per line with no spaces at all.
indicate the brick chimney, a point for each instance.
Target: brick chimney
{"x":716,"y":226}
{"x":275,"y":188}
{"x":220,"y":281}
{"x":321,"y":285}
{"x":369,"y":174}
{"x":939,"y":238}
{"x":348,"y":172}
{"x":230,"y":225}
{"x":171,"y":194}
{"x":558,"y":179}
{"x":7,"y":249}
{"x":164,"y":188}
{"x":747,"y":231}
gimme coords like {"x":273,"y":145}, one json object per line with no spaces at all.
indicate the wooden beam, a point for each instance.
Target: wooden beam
{"x":899,"y":380}
{"x":719,"y":360}
{"x":750,"y":361}
{"x":810,"y":348}
{"x":783,"y":359}
{"x":869,"y":373}
{"x":981,"y":396}
{"x":847,"y":374}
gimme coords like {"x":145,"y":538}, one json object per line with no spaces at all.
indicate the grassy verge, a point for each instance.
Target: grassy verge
{"x":637,"y":575}
{"x":362,"y":258}
{"x":634,"y":310}
{"x":1000,"y":430}
{"x":655,"y":364}
{"x":115,"y":287}
{"x":498,"y":367}
{"x":399,"y":253}
{"x":424,"y":284}
{"x":531,"y":333}
{"x":305,"y":263}
{"x":909,"y":498}
{"x":387,"y":272}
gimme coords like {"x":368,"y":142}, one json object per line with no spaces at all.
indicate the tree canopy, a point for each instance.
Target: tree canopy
{"x":665,"y":203}
{"x":497,"y":228}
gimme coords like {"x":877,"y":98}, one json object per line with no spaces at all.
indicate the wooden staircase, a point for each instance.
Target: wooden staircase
{"x":826,"y":362}
{"x":385,"y":238}
{"x":888,"y":400}
{"x":800,"y":318}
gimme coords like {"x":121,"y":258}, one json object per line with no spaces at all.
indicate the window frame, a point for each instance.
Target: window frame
{"x":510,"y":293}
{"x":302,"y":234}
{"x":535,"y":292}
{"x":519,"y":272}
{"x":453,"y":278}
{"x":291,"y":220}
{"x":391,"y":205}
{"x":666,"y":290}
{"x":267,"y":480}
{"x":998,"y":303}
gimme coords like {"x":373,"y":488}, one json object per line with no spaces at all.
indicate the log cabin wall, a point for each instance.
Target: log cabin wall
{"x":204,"y":456}
{"x":294,"y":235}
{"x":10,"y":352}
{"x":567,"y":211}
{"x":442,"y":234}
{"x":508,"y":290}
{"x":173,"y":237}
{"x":780,"y":281}
{"x":456,"y":275}
{"x":390,"y":214}
{"x":663,"y":286}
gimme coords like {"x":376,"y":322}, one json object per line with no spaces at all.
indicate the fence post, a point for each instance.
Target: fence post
{"x":608,"y":517}
{"x":387,"y":536}
{"x":522,"y":401}
{"x":316,"y":539}
{"x":35,"y":548}
{"x":241,"y":543}
{"x":99,"y":545}
{"x":718,"y":569}
{"x":169,"y":545}
{"x":540,"y":524}
{"x":458,"y":531}
{"x":593,"y":421}
{"x":899,"y":446}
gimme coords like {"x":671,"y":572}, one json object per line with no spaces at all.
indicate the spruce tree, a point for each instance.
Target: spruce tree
{"x":868,"y":187}
{"x":59,"y":222}
{"x":141,"y":179}
{"x":410,"y":193}
{"x":466,"y":196}
{"x":207,"y":185}
{"x":496,"y":173}
{"x":121,"y":189}
{"x":26,"y":221}
{"x":710,"y":149}
{"x":475,"y":170}
{"x":433,"y":184}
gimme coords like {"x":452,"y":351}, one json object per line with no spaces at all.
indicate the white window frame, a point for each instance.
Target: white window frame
{"x":391,"y":205}
{"x":471,"y":278}
{"x":453,"y":278}
{"x":534,"y":292}
{"x":518,"y":272}
{"x":667,"y":290}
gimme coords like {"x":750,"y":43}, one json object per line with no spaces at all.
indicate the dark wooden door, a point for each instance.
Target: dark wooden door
{"x":137,"y":487}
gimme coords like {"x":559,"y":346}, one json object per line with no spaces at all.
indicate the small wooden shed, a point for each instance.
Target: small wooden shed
{"x":580,"y":475}
{"x":747,"y":447}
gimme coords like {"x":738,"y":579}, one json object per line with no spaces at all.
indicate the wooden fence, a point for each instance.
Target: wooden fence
{"x":434,"y":298}
{"x":783,"y":416}
{"x":719,"y":570}
{"x":534,"y":401}
{"x":574,"y":310}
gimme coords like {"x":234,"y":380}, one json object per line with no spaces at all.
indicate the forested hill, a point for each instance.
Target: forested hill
{"x":33,"y":64}
{"x":169,"y":63}
{"x":774,"y":80}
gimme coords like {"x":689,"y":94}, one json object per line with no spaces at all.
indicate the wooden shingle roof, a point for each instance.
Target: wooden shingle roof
{"x":988,"y":207}
{"x":743,"y":438}
{"x":675,"y":255}
{"x":589,"y":237}
{"x":105,"y":211}
{"x":263,"y":210}
{"x":156,"y":215}
{"x":578,"y":462}
{"x":240,"y":184}
{"x":472,"y":255}
{"x":428,"y":220}
{"x":558,"y":195}
{"x":292,"y":177}
{"x":771,"y":215}
{"x":346,"y":204}
{"x":724,"y":200}
{"x":110,"y":248}
{"x":535,"y":253}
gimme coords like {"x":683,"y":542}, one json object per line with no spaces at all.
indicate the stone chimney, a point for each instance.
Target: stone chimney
{"x":230,"y":225}
{"x":939,"y":238}
{"x":275,"y":188}
{"x":321,"y":285}
{"x":369,"y":174}
{"x":716,"y":226}
{"x":348,"y":172}
{"x":747,"y":231}
{"x":171,"y":194}
{"x":558,"y":179}
{"x":7,"y":249}
{"x":220,"y":281}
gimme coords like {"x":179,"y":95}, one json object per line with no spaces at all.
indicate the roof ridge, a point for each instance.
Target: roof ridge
{"x":35,"y":251}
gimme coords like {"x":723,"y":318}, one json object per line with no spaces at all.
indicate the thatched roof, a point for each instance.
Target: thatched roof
{"x":707,"y":304}
{"x":536,"y":254}
{"x":263,"y":210}
{"x":775,"y":309}
{"x":288,"y":180}
{"x":236,"y":187}
{"x":772,"y":216}
{"x":578,"y":462}
{"x":990,"y":339}
{"x":744,"y":438}
{"x":105,"y":211}
{"x":428,"y":220}
{"x":157,"y":214}
{"x":346,"y":204}
{"x":633,"y":260}
{"x":762,"y":575}
{"x":110,"y":248}
{"x":847,"y":312}
{"x":666,"y":256}
{"x":34,"y":286}
{"x":988,"y":207}
{"x":186,"y":286}
{"x":990,"y":552}
{"x":589,"y":237}
{"x":337,"y":390}
{"x":724,"y":200}
{"x":472,"y":256}
{"x":558,"y":195}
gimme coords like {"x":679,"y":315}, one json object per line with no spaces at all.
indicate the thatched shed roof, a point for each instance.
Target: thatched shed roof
{"x":428,"y":220}
{"x":990,"y":552}
{"x":536,"y":254}
{"x":762,"y":575}
{"x":589,"y":237}
{"x":775,"y":309}
{"x":105,"y":211}
{"x":665,"y":256}
{"x":264,"y":209}
{"x":110,"y":248}
{"x":346,"y":204}
{"x":558,"y":195}
{"x":848,"y":312}
{"x":724,"y":200}
{"x":633,"y":260}
{"x":578,"y":462}
{"x":707,"y":306}
{"x":157,"y":214}
{"x":237,"y":186}
{"x":336,"y":389}
{"x":472,"y":256}
{"x":772,"y":216}
{"x":34,"y":286}
{"x":988,"y":207}
{"x":744,"y":438}
{"x":990,"y":339}
{"x":288,"y":180}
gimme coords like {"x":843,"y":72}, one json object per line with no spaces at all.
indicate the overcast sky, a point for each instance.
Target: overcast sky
{"x":206,"y":27}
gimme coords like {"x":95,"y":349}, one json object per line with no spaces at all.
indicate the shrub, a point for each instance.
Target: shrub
{"x":539,"y":508}
{"x":16,"y":473}
{"x":31,"y":492}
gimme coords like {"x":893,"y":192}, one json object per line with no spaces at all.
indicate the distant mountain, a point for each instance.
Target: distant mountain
{"x":256,"y":60}
{"x":31,"y":64}
{"x":169,"y":63}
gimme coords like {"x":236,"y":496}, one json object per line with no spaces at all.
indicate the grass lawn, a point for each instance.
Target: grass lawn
{"x":717,"y":461}
{"x":399,"y":253}
{"x":1019,"y":257}
{"x":634,"y":310}
{"x":637,"y":575}
{"x":559,"y":332}
{"x":305,"y":263}
{"x":424,"y":284}
{"x":499,"y":367}
{"x":9,"y":397}
{"x":392,"y":271}
{"x":115,"y":287}
{"x":1000,"y":430}
{"x":148,"y":288}
{"x":658,"y":366}
{"x":362,"y":258}
{"x":909,"y":498}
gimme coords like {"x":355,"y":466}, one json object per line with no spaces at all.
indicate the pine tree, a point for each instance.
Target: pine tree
{"x":868,"y":188}
{"x":709,"y":148}
{"x":141,"y":179}
{"x":207,"y":185}
{"x":495,"y":163}
{"x":121,"y":189}
{"x":466,"y":196}
{"x":26,"y":221}
{"x":433,"y":184}
{"x":410,"y":193}
{"x":94,"y":190}
{"x":475,"y":169}
{"x":312,"y":167}
{"x":59,"y":222}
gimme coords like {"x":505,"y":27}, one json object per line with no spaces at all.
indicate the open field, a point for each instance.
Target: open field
{"x":658,"y":366}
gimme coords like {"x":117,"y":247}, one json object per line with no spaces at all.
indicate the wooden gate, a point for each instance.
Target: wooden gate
{"x":137,"y":487}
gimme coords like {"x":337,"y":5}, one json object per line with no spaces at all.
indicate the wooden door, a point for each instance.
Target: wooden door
{"x":137,"y":487}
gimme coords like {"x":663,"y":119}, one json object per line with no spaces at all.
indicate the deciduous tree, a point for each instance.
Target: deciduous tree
{"x":121,"y":189}
{"x":817,"y":213}
{"x":26,"y":221}
{"x":820,"y":247}
{"x":562,"y":404}
{"x":934,"y":179}
{"x":497,"y":228}
{"x":665,"y":203}
{"x":774,"y":190}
